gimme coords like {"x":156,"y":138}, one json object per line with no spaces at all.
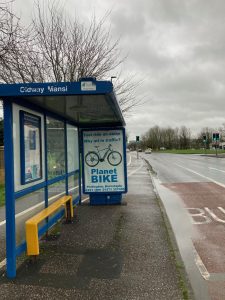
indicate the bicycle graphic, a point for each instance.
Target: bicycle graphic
{"x":92,"y":158}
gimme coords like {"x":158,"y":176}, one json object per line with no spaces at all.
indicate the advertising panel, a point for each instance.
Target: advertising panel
{"x":104,"y":161}
{"x":30,"y":147}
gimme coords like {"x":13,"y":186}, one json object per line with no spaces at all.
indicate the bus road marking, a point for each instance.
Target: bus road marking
{"x":205,"y":215}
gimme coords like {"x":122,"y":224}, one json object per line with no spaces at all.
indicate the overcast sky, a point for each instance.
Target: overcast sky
{"x":176,"y":46}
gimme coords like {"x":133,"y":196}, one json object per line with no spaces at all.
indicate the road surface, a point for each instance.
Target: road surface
{"x":192,"y":188}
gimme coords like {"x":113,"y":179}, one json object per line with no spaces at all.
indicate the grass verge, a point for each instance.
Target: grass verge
{"x":192,"y":151}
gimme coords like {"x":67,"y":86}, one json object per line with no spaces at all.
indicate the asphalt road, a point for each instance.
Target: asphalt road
{"x":192,"y":189}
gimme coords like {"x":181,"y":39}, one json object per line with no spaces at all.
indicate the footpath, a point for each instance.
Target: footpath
{"x":107,"y":252}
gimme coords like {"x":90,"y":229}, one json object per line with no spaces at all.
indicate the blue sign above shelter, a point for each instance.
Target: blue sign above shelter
{"x":87,"y":102}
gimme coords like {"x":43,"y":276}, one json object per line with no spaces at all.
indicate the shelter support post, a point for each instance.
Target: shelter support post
{"x":9,"y":191}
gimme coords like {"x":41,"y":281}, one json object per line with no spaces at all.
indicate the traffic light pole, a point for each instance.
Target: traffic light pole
{"x":137,"y":144}
{"x":204,"y":142}
{"x":216,"y":139}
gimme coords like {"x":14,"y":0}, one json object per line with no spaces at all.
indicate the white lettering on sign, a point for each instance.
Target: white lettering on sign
{"x":40,"y":90}
{"x":205,"y":215}
{"x":52,"y":88}
{"x":24,"y":89}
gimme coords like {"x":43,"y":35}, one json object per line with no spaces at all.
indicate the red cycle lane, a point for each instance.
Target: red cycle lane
{"x":205,"y":203}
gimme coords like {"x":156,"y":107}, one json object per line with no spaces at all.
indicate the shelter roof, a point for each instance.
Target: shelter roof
{"x":87,"y":102}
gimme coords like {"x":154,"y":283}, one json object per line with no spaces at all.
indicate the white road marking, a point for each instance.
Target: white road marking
{"x":129,"y":161}
{"x":194,"y":172}
{"x":85,"y":199}
{"x":3,"y":263}
{"x":216,"y":169}
{"x":213,"y":215}
{"x":2,"y":223}
{"x":202,"y":217}
{"x":199,"y":213}
{"x":134,"y":171}
{"x":199,"y":263}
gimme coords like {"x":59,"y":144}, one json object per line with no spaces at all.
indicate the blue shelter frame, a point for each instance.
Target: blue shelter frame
{"x":84,"y":104}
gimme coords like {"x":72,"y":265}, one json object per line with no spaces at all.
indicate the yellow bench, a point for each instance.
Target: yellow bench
{"x":32,"y":224}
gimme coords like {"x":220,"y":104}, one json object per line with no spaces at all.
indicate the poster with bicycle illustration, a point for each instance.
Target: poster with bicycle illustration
{"x":104,"y":161}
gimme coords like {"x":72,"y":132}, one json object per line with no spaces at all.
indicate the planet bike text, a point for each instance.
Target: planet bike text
{"x":99,"y":176}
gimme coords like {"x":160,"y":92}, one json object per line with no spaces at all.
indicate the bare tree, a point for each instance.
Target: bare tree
{"x":9,"y":28}
{"x":56,"y":48}
{"x":126,"y":90}
{"x":184,"y":137}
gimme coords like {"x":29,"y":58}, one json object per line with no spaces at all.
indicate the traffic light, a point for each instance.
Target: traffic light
{"x":137,"y":138}
{"x":216,"y":136}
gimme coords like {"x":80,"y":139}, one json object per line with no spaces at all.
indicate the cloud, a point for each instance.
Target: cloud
{"x":177,"y":47}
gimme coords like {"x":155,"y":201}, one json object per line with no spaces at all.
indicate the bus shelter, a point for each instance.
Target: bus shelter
{"x":53,"y":132}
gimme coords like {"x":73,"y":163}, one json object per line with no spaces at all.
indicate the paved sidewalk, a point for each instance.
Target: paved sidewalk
{"x":108,"y":252}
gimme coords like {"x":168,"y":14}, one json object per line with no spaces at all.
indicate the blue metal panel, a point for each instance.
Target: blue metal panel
{"x":80,"y":154}
{"x":46,"y":161}
{"x":125,"y":159}
{"x":21,"y":248}
{"x":105,"y":199}
{"x":9,"y":191}
{"x":43,"y":184}
{"x":53,"y":88}
{"x":29,"y":190}
{"x":77,"y":200}
{"x":56,"y":179}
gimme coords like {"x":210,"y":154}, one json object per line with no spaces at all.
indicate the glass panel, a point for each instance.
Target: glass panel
{"x":56,"y":148}
{"x":17,"y":133}
{"x":72,"y":148}
{"x":56,"y":190}
{"x":30,"y":147}
{"x":73,"y":184}
{"x":26,"y":207}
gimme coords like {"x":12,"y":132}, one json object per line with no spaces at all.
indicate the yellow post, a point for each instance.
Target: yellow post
{"x":32,"y":239}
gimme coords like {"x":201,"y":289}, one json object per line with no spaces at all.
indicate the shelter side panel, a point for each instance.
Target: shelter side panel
{"x":103,"y":161}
